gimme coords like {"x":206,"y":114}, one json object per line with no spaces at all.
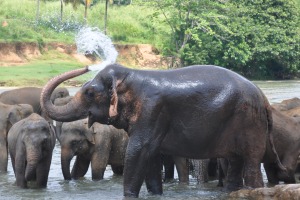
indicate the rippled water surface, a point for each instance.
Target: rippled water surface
{"x":111,"y":187}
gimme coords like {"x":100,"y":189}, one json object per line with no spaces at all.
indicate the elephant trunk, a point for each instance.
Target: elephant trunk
{"x":33,"y":158}
{"x":72,"y":111}
{"x":66,"y":157}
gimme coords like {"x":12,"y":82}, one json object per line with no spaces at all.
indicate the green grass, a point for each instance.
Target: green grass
{"x":36,"y":73}
{"x":126,"y":24}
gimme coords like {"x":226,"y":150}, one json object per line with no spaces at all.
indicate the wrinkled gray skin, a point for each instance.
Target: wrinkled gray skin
{"x":31,"y":96}
{"x":193,"y":112}
{"x":31,"y":142}
{"x":9,"y":115}
{"x":200,"y":170}
{"x":286,"y":134}
{"x":99,"y":145}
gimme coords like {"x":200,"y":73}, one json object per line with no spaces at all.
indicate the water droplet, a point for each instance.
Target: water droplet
{"x":90,"y":40}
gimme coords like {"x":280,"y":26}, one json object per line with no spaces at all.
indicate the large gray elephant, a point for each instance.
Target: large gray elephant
{"x":194,"y":112}
{"x":31,"y":96}
{"x":286,"y":134}
{"x":99,"y":146}
{"x":9,"y":115}
{"x":31,"y":142}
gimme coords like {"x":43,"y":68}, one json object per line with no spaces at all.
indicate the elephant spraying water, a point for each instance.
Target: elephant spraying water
{"x":194,"y":112}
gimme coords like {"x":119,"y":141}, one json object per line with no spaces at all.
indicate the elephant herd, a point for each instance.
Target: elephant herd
{"x":30,"y":139}
{"x":206,"y":117}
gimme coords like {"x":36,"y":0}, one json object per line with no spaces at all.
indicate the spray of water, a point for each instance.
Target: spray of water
{"x":93,"y":41}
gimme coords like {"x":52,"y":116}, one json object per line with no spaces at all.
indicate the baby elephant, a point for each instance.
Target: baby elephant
{"x":100,"y":145}
{"x":30,"y":143}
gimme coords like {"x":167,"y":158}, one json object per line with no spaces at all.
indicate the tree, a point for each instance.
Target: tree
{"x":189,"y":18}
{"x":253,"y":37}
{"x":87,"y":4}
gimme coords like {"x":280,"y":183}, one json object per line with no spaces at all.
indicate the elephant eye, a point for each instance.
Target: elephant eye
{"x":89,"y":93}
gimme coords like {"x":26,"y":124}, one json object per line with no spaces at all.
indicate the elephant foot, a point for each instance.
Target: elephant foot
{"x":229,"y":187}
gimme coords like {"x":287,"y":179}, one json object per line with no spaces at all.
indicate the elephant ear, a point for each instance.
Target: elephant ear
{"x":114,"y":99}
{"x":14,"y":115}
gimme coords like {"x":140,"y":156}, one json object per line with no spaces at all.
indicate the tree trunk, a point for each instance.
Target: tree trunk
{"x":85,"y":11}
{"x":61,"y":9}
{"x":37,"y":12}
{"x":105,"y":17}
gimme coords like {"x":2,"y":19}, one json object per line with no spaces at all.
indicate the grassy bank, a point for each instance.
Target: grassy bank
{"x":38,"y":73}
{"x":19,"y":23}
{"x":126,"y":24}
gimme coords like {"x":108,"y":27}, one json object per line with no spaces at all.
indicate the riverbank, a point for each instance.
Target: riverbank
{"x":28,"y":64}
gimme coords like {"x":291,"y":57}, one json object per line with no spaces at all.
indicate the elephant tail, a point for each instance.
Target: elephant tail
{"x":270,"y":133}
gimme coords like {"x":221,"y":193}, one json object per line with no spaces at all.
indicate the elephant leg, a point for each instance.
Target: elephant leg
{"x":234,"y":174}
{"x":212,"y":168}
{"x":201,"y":170}
{"x":221,"y":172}
{"x":136,"y":164}
{"x":117,"y":169}
{"x":271,"y":173}
{"x":290,"y":163}
{"x":182,"y":169}
{"x":252,"y":172}
{"x":100,"y":159}
{"x":42,"y":172}
{"x":80,"y":167}
{"x":20,"y":166}
{"x":143,"y":148}
{"x":168,"y":163}
{"x":3,"y":153}
{"x":153,"y":176}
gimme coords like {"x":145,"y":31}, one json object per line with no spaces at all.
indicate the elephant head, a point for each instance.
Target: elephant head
{"x":97,"y":99}
{"x":76,"y":139}
{"x":40,"y":140}
{"x":59,"y":93}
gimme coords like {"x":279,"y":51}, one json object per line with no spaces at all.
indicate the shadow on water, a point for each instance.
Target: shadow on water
{"x":112,"y":186}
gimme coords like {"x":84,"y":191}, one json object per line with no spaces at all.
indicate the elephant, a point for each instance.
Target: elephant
{"x":9,"y":115}
{"x":31,"y":142}
{"x":99,"y":145}
{"x":286,"y":134}
{"x":60,"y":102}
{"x":31,"y":96}
{"x":204,"y":170}
{"x":198,"y":112}
{"x":182,"y":167}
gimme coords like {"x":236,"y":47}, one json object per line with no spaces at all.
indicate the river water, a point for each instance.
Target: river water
{"x":111,"y":187}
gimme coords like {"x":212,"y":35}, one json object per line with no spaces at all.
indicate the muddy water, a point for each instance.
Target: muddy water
{"x":111,"y":187}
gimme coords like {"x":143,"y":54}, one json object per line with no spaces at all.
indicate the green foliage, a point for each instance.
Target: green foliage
{"x":258,"y":38}
{"x":126,"y":24}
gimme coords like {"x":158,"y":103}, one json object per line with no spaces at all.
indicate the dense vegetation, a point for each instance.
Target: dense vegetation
{"x":257,"y":38}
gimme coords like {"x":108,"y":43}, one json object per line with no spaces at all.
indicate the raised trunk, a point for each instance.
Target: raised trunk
{"x":66,"y":157}
{"x":72,"y":111}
